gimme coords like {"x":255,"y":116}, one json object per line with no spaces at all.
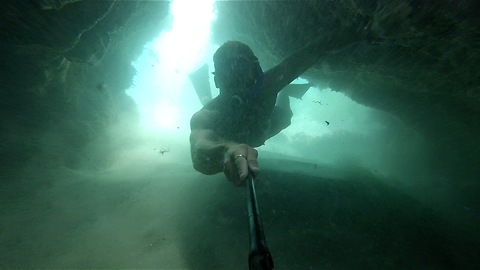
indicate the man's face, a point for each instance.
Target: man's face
{"x":236,"y":73}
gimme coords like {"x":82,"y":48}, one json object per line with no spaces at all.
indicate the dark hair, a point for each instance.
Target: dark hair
{"x":232,"y":49}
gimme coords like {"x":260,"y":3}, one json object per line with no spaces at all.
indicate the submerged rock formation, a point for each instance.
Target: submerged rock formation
{"x":65,"y":67}
{"x":413,"y":59}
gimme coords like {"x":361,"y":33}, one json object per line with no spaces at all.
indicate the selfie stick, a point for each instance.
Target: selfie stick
{"x":259,"y":258}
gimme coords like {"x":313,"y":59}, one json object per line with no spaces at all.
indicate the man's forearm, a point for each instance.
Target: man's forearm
{"x":293,"y":66}
{"x":304,"y":58}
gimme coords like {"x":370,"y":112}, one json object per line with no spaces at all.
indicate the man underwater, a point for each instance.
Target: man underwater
{"x":248,"y":110}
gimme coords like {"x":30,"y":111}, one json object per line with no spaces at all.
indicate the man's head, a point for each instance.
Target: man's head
{"x":236,"y":67}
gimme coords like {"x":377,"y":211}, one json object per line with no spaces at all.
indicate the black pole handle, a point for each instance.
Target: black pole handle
{"x":259,"y":258}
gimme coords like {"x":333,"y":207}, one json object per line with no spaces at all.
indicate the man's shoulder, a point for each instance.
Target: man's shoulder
{"x":205,"y":114}
{"x":203,"y":119}
{"x":212,"y":105}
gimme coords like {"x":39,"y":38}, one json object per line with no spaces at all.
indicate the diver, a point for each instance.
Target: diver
{"x":251,"y":107}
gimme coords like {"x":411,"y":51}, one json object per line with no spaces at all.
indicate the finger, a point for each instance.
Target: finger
{"x":242,"y":167}
{"x":230,"y":171}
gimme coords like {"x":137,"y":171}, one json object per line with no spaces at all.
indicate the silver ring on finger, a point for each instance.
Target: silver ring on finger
{"x":237,"y":156}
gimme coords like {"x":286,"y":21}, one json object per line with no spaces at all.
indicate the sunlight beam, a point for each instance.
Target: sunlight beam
{"x":162,"y":90}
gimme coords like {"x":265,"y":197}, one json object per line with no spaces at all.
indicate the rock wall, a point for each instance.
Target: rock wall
{"x":413,"y":59}
{"x":65,"y":67}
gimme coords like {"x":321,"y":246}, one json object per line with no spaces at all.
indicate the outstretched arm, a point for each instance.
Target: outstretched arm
{"x":293,"y":66}
{"x":212,"y":154}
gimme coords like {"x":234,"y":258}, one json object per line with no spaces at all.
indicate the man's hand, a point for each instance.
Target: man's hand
{"x":239,"y":158}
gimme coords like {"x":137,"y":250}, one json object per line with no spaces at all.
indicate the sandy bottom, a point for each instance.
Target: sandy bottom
{"x":167,"y":216}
